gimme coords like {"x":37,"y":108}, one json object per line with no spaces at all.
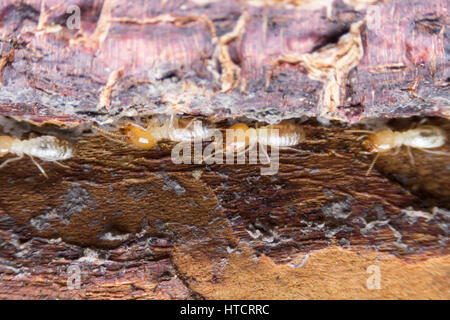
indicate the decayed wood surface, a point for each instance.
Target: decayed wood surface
{"x":139,"y":226}
{"x":266,"y":60}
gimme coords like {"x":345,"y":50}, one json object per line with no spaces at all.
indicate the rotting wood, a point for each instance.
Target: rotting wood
{"x":139,"y":226}
{"x":182,"y":46}
{"x":115,"y":197}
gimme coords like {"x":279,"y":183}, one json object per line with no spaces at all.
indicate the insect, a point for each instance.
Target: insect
{"x":133,"y":134}
{"x":283,"y":135}
{"x":47,"y":148}
{"x":173,"y":129}
{"x":423,"y":138}
{"x":179,"y":130}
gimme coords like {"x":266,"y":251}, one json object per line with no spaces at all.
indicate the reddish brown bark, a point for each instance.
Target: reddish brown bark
{"x":185,"y":54}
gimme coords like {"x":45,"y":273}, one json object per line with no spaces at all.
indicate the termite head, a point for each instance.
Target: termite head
{"x":238,"y":137}
{"x":138,"y":136}
{"x":380,"y":141}
{"x":5,"y":145}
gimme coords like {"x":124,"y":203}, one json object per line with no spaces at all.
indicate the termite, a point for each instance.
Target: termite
{"x":173,"y":129}
{"x":289,"y":134}
{"x":178,"y":130}
{"x":423,"y":138}
{"x":283,"y":135}
{"x":47,"y":148}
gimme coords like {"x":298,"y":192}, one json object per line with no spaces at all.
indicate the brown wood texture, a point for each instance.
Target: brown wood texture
{"x":140,"y":227}
{"x":260,"y":59}
{"x":143,"y":227}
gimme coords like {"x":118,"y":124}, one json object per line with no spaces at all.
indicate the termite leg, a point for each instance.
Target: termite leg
{"x":39,"y":167}
{"x":10,"y":160}
{"x":152,"y":123}
{"x":337,"y":154}
{"x":397,"y":150}
{"x":436,"y":152}
{"x":411,"y":157}
{"x":61,"y":165}
{"x":361,"y":137}
{"x":295,"y":150}
{"x":372,"y":164}
{"x":190,"y":123}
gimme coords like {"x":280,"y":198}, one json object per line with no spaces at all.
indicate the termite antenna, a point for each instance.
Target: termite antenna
{"x":189,"y":124}
{"x":411,"y":157}
{"x":213,"y":155}
{"x":174,"y":110}
{"x":397,"y":150}
{"x":295,"y":150}
{"x":171,"y":120}
{"x":421,"y":122}
{"x":115,"y":137}
{"x":316,"y":141}
{"x":372,"y":164}
{"x":106,"y":132}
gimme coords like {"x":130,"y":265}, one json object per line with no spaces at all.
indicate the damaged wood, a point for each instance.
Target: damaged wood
{"x":352,"y":61}
{"x":134,"y":225}
{"x":115,"y":197}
